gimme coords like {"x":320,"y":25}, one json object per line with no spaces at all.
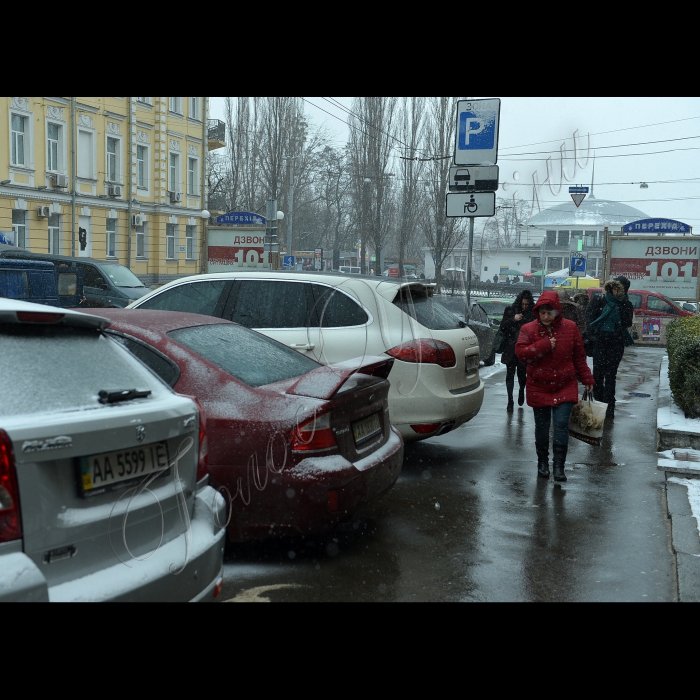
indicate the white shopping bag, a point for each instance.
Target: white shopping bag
{"x":587,"y":419}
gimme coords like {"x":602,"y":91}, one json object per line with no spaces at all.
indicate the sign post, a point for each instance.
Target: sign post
{"x":578,"y":194}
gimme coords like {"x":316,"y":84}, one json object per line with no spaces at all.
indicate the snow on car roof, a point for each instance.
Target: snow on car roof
{"x":30,"y":312}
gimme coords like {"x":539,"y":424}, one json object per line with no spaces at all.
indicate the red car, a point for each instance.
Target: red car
{"x":294,"y":446}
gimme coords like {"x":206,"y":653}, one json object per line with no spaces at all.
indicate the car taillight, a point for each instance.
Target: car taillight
{"x":313,"y":435}
{"x":203,"y":457}
{"x":425,"y":350}
{"x":39,"y":317}
{"x":10,"y":525}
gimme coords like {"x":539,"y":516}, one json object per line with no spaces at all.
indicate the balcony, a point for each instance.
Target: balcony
{"x":217,"y":134}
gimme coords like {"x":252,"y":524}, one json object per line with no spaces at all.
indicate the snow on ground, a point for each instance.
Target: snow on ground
{"x":486,"y":372}
{"x":693,"y":486}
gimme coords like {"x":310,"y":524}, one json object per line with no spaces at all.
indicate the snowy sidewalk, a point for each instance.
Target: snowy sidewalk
{"x":678,"y":445}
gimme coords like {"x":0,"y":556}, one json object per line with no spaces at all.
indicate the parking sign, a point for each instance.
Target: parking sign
{"x":476,"y":141}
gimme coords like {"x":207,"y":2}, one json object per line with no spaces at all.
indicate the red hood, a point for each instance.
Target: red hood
{"x":548,"y":299}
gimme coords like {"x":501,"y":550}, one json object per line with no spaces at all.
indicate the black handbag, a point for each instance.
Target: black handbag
{"x":590,"y":338}
{"x":499,"y":342}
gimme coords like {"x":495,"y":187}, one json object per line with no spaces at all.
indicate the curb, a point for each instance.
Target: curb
{"x":679,"y":458}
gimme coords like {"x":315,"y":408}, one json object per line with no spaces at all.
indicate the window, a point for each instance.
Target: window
{"x":563,"y":238}
{"x":174,"y":178}
{"x":145,"y":100}
{"x":163,"y":366}
{"x":176,"y":105}
{"x":142,"y":167}
{"x":18,"y":134}
{"x":19,"y":227}
{"x":194,"y":108}
{"x":86,"y":154}
{"x":635,"y":300}
{"x":551,"y":238}
{"x":555,"y":264}
{"x":54,"y":146}
{"x":141,"y":241}
{"x":190,"y":232}
{"x":656,"y":305}
{"x":111,"y":238}
{"x":335,"y":309}
{"x":170,"y":237}
{"x":55,"y":234}
{"x":192,"y":179}
{"x":197,"y":298}
{"x":250,"y":357}
{"x":589,"y":239}
{"x":112,"y":160}
{"x":427,"y":311}
{"x":262,"y":304}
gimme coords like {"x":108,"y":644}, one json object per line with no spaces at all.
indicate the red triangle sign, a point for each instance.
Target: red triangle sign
{"x":578,"y":198}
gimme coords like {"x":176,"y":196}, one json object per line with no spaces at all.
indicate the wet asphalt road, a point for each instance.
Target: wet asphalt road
{"x":468,"y":519}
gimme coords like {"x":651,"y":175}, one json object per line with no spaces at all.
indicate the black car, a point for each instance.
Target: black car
{"x":478,"y":322}
{"x":106,"y":283}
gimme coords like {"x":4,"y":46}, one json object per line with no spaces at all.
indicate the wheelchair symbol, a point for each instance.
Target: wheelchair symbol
{"x":471,"y":206}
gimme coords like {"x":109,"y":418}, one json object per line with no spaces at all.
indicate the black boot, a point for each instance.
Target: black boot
{"x":558,"y":461}
{"x":511,"y":406}
{"x":542,"y":459}
{"x":521,"y":396}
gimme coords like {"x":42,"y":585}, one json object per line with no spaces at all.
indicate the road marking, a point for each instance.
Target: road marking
{"x":251,"y":595}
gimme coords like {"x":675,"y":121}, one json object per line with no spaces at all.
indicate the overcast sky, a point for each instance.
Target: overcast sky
{"x":641,"y":139}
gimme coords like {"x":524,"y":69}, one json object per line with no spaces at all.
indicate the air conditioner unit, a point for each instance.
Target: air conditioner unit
{"x":139,"y":219}
{"x":60,"y":180}
{"x":43,"y":212}
{"x":175,"y":197}
{"x":114,"y":191}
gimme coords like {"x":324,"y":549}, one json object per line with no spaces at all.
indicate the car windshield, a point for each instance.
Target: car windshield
{"x":427,"y":311}
{"x":495,"y":308}
{"x":247,"y":355}
{"x":121,"y":276}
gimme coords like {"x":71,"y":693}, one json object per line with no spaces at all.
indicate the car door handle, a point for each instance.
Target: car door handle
{"x":302,"y":346}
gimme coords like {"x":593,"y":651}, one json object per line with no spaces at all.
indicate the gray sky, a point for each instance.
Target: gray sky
{"x":635,"y":139}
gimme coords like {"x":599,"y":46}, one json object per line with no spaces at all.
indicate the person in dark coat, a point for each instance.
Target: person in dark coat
{"x":514,"y":317}
{"x":610,"y":317}
{"x":552,"y":349}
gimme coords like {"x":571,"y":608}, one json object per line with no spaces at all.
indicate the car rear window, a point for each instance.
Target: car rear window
{"x":428,"y":312}
{"x":52,"y":368}
{"x":247,"y":355}
{"x":494,"y":308}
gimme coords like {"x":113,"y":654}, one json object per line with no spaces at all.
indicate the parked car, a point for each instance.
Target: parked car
{"x":103,"y":485}
{"x":478,"y":322}
{"x":435,"y":385}
{"x":647,"y":303}
{"x":106,"y":283}
{"x":297,"y":447}
{"x":40,"y":282}
{"x":495,"y":308}
{"x":691,"y":306}
{"x":574,"y":285}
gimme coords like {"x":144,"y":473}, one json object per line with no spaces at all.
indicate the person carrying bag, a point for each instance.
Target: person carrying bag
{"x":514,"y":318}
{"x":608,"y":336}
{"x":552,"y":349}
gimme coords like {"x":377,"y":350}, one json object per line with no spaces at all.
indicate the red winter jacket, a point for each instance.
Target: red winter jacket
{"x":552,"y":372}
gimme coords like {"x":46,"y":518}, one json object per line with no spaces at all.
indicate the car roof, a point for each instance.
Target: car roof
{"x":385,"y":286}
{"x":142,"y":321}
{"x":12,"y":252}
{"x":10,"y":308}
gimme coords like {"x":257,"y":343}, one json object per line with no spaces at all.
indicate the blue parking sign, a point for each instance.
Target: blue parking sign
{"x":288,"y":261}
{"x":476,"y":140}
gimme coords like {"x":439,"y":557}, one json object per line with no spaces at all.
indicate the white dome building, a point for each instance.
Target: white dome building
{"x":564,"y":223}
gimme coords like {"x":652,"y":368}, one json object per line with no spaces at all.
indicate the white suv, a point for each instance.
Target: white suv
{"x":435,"y":385}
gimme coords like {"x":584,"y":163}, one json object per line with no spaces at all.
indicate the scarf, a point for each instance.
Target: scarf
{"x":609,"y":320}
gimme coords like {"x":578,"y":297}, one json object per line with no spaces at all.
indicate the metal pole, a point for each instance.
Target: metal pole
{"x":130,"y":220}
{"x":290,"y":170}
{"x":74,"y":177}
{"x":544,"y":262}
{"x":469,"y":264}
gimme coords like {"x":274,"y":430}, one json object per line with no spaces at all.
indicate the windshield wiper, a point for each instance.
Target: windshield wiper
{"x":121,"y":395}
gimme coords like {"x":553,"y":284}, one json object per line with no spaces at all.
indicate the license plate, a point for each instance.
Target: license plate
{"x":110,"y":470}
{"x":366,"y":428}
{"x":472,"y":362}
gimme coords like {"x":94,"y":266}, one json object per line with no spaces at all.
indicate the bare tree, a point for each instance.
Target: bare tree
{"x":503,"y":230}
{"x":443,"y":234}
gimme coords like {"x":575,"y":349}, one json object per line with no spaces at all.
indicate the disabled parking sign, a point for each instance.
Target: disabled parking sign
{"x":476,"y":141}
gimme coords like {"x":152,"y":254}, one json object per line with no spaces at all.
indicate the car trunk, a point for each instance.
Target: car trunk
{"x":70,"y":532}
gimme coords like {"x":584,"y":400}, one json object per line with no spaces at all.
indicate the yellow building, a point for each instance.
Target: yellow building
{"x":111,"y":178}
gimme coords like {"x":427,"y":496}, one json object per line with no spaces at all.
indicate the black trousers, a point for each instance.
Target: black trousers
{"x":607,"y":356}
{"x":511,"y":368}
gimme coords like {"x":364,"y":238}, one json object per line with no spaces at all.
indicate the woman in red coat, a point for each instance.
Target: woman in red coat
{"x":552,"y":349}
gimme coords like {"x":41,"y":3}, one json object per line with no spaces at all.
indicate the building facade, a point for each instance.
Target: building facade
{"x":111,"y":178}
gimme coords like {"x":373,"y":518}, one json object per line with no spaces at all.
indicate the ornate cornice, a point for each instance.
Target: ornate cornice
{"x":85,"y":120}
{"x":174,"y":145}
{"x":112,"y":128}
{"x":55,"y":112}
{"x":20,"y":103}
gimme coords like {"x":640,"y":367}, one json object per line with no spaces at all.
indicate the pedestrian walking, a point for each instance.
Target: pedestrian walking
{"x":552,"y":349}
{"x":581,"y":299}
{"x":514,"y":318}
{"x":572,"y":311}
{"x":609,"y":317}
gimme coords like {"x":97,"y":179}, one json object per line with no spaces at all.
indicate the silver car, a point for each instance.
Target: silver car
{"x":103,"y":486}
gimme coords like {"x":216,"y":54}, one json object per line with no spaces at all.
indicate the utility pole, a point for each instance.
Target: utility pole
{"x":290,"y":175}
